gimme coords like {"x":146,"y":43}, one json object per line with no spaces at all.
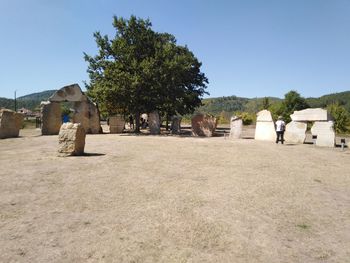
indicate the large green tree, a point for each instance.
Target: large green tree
{"x":140,"y":70}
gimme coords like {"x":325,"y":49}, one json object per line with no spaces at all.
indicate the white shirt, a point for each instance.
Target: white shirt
{"x":280,"y":125}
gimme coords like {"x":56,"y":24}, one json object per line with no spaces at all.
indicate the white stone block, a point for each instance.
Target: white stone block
{"x":295,"y":132}
{"x":325,"y":133}
{"x":236,"y":127}
{"x":316,"y":114}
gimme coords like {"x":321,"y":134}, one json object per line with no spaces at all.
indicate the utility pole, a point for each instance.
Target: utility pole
{"x":15,"y":101}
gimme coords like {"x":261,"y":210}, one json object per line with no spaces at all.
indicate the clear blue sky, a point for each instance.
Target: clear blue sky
{"x":248,"y":48}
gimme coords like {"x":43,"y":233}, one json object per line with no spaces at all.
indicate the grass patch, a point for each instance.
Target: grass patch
{"x":303,"y":226}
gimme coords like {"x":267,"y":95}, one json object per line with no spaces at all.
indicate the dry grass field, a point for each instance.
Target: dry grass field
{"x":173,"y":199}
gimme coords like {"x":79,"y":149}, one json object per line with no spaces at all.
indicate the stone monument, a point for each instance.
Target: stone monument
{"x":203,"y":125}
{"x":10,"y":123}
{"x":116,"y":124}
{"x":71,"y":139}
{"x":322,"y":128}
{"x":236,"y":125}
{"x":265,"y":127}
{"x":154,"y":122}
{"x":51,"y":118}
{"x":176,"y":124}
{"x":85,"y":111}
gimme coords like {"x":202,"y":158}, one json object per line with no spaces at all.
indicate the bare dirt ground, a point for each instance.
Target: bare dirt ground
{"x":173,"y":199}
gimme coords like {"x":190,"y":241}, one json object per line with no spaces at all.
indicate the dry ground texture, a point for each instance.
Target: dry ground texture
{"x":173,"y":199}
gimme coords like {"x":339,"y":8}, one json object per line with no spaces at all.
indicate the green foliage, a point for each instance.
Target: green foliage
{"x":265,"y":103}
{"x":292,"y":102}
{"x":247,"y":118}
{"x":341,"y":117}
{"x":228,"y":104}
{"x":141,"y":70}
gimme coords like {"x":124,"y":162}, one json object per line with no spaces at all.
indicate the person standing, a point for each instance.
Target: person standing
{"x":280,"y":128}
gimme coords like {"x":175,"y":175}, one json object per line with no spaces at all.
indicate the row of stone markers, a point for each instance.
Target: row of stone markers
{"x":322,"y":128}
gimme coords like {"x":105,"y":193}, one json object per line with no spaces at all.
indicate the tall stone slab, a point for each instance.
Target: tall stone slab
{"x":50,"y":118}
{"x":324,"y":132}
{"x":236,"y":126}
{"x":87,"y":113}
{"x":176,"y":125}
{"x":265,"y":127}
{"x":295,"y":132}
{"x":203,"y":125}
{"x":311,"y":114}
{"x":116,"y":124}
{"x":154,"y":122}
{"x":10,"y":123}
{"x":71,"y":139}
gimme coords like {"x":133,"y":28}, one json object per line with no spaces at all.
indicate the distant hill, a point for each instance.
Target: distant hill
{"x":343,"y":98}
{"x":39,"y":96}
{"x":31,"y":101}
{"x":212,"y":106}
{"x":232,"y":104}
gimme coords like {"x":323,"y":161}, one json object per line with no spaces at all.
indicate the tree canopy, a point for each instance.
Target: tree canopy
{"x":141,"y":70}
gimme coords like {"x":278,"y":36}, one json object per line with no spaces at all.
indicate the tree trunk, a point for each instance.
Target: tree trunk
{"x":137,"y":122}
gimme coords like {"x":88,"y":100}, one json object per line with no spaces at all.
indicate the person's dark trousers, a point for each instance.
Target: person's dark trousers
{"x":280,"y":138}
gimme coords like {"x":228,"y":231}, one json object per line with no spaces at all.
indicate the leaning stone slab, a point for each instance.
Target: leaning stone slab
{"x":116,"y":124}
{"x":51,"y":118}
{"x":236,"y":127}
{"x":295,"y":132}
{"x":203,"y":125}
{"x":10,"y":123}
{"x":68,"y":93}
{"x":154,"y":122}
{"x":324,"y":132}
{"x":312,"y":114}
{"x":265,"y":127}
{"x":176,"y":124}
{"x":71,"y":139}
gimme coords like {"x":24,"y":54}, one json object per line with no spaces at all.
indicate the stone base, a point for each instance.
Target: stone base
{"x":71,"y":139}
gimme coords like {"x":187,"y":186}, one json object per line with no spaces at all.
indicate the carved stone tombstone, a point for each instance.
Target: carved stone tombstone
{"x":236,"y":125}
{"x":154,"y":122}
{"x":176,"y":125}
{"x":71,"y":139}
{"x":51,"y":118}
{"x":265,"y":127}
{"x":116,"y":124}
{"x":203,"y":125}
{"x":10,"y":123}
